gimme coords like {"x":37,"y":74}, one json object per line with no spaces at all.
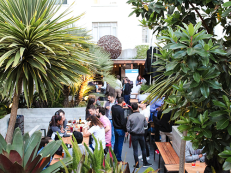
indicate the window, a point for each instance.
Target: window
{"x":104,"y":2}
{"x":103,"y":28}
{"x":61,"y":2}
{"x":145,"y":35}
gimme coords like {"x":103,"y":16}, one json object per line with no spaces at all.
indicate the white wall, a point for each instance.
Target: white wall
{"x":128,"y":30}
{"x":41,"y":116}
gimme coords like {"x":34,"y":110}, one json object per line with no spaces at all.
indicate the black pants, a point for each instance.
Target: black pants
{"x":146,"y":143}
{"x":135,"y":140}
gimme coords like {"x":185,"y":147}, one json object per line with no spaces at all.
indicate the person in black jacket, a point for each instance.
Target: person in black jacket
{"x":164,"y":124}
{"x":119,"y":122}
{"x":127,"y":91}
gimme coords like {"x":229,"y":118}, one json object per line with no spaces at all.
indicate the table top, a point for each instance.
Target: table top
{"x":168,"y":153}
{"x":55,"y":159}
{"x":188,"y":167}
{"x":67,"y":140}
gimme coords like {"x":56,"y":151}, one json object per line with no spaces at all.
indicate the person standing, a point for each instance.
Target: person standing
{"x":118,"y":88}
{"x":155,"y":105}
{"x":135,"y":126}
{"x":138,"y":80}
{"x":91,"y":102}
{"x":146,"y":112}
{"x":119,"y":122}
{"x":111,"y":101}
{"x":127,"y":91}
{"x":107,"y":126}
{"x":164,"y":125}
{"x":110,"y":89}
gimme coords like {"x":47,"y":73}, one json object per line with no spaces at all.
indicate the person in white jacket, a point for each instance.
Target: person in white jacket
{"x":192,"y":155}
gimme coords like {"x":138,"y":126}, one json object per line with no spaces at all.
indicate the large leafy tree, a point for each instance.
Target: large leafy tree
{"x":37,"y":50}
{"x":196,"y":69}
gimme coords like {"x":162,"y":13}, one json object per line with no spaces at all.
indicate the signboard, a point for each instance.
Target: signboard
{"x":132,"y":74}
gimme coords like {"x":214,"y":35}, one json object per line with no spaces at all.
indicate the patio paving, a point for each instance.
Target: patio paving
{"x":130,"y":158}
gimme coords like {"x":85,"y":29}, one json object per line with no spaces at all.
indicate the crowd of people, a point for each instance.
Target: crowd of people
{"x":110,"y":125}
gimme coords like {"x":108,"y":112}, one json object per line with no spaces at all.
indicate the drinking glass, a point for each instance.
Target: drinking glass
{"x":79,"y":120}
{"x":198,"y":163}
{"x":193,"y":164}
{"x":71,"y":129}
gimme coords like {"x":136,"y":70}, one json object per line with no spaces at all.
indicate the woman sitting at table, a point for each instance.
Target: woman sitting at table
{"x":62,"y":113}
{"x":56,"y":125}
{"x":96,"y":128}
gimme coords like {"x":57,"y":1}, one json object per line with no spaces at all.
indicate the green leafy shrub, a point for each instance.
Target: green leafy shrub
{"x":93,"y":162}
{"x":21,"y":156}
{"x":141,"y":51}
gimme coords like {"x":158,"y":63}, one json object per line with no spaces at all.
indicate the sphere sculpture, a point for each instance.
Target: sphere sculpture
{"x":111,"y":44}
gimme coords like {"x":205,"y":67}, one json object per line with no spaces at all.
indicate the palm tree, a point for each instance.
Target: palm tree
{"x":37,"y":51}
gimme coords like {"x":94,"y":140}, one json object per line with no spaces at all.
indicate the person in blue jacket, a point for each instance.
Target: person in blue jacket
{"x":155,"y":106}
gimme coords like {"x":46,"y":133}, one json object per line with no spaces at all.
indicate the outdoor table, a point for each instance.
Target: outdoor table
{"x":67,"y":140}
{"x":55,"y":159}
{"x":188,"y":168}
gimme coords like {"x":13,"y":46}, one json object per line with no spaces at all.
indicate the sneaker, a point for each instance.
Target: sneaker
{"x":157,"y":151}
{"x":147,"y":165}
{"x":140,"y":157}
{"x":146,"y":158}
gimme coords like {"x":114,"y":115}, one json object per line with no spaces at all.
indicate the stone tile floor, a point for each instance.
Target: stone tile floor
{"x":130,"y":158}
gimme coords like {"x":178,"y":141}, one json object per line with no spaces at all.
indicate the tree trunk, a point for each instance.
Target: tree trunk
{"x":13,"y":113}
{"x":66,"y":92}
{"x":182,"y":154}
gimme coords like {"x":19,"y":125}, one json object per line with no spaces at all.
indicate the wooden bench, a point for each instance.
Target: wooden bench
{"x":133,"y":101}
{"x":168,"y":153}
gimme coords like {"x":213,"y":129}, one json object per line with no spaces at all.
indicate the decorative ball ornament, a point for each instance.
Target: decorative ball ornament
{"x":111,"y":44}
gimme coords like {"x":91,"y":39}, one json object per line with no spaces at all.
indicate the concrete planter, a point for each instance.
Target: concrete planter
{"x":42,"y":117}
{"x":176,"y":139}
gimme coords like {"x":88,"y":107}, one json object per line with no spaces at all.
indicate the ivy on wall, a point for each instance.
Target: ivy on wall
{"x":141,"y":51}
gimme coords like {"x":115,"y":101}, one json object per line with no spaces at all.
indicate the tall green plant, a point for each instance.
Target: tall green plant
{"x":21,"y":156}
{"x":36,"y":50}
{"x":195,"y":86}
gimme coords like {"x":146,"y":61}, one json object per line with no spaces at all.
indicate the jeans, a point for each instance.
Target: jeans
{"x":127,"y":99}
{"x":119,"y":141}
{"x":112,"y":135}
{"x":135,"y":140}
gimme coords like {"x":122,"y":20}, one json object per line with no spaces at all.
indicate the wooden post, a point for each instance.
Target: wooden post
{"x":131,"y":66}
{"x":182,"y":154}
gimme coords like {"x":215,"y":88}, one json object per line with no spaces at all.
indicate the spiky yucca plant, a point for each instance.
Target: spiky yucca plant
{"x":37,"y":51}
